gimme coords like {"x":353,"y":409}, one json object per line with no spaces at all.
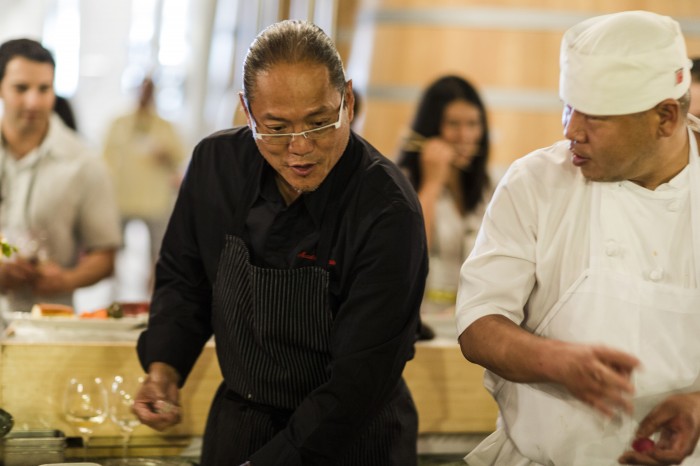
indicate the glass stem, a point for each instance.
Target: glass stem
{"x":125,"y":444}
{"x":86,"y":440}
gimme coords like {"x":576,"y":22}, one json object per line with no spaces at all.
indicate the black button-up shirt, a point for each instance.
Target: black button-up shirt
{"x":377,"y":266}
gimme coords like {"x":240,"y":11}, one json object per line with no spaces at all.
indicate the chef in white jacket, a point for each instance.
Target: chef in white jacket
{"x":581,"y":297}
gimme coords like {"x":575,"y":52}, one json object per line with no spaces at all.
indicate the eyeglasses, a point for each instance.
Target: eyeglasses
{"x":286,"y":138}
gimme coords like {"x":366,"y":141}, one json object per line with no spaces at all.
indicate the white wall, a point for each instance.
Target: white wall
{"x":22,"y":18}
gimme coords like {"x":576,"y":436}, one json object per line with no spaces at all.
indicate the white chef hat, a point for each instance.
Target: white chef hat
{"x":623,"y":63}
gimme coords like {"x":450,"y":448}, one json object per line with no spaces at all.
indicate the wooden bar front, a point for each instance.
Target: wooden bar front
{"x":447,"y":389}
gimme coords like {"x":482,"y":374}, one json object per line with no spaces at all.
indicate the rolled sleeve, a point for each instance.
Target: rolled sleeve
{"x":98,"y":217}
{"x":516,"y":268}
{"x":499,"y":274}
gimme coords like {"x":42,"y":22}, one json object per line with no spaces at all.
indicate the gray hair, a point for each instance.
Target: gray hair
{"x":291,"y":41}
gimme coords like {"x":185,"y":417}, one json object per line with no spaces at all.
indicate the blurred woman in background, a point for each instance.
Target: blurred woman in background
{"x":445,"y":156}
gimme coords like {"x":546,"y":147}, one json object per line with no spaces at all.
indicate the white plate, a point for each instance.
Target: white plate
{"x":76,"y":323}
{"x":146,"y":462}
{"x":70,"y":464}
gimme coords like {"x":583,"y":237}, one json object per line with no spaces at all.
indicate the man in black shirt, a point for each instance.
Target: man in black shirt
{"x":302,"y":249}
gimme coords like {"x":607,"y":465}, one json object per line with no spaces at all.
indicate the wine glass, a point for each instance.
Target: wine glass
{"x":85,"y":405}
{"x":121,"y":397}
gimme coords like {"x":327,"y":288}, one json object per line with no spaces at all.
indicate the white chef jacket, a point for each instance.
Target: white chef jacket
{"x":535,"y":236}
{"x":528,"y":254}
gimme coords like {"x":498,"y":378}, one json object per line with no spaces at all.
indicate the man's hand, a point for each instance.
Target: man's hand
{"x":52,"y":279}
{"x":17,"y":273}
{"x":157,"y":402}
{"x":677,"y":419}
{"x":92,"y":267}
{"x":436,"y":159}
{"x":597,"y":375}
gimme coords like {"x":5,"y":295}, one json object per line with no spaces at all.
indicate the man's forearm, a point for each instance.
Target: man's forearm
{"x":91,"y":268}
{"x":504,"y":348}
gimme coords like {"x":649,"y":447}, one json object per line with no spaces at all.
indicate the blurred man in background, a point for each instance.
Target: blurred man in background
{"x":56,"y":200}
{"x":144,"y":153}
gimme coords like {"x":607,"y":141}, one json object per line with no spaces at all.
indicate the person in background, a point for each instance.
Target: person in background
{"x":63,"y":109}
{"x":144,"y":153}
{"x":302,"y":250}
{"x":446,"y":159}
{"x":582,"y":294}
{"x":56,"y":200}
{"x":695,"y":88}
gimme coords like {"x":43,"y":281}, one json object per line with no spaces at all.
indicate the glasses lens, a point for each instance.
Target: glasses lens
{"x":320,"y":132}
{"x":282,"y":139}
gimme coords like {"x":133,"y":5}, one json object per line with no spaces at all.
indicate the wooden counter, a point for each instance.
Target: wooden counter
{"x":447,"y":389}
{"x":33,"y":378}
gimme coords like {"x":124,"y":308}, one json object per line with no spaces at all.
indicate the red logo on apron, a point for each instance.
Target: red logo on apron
{"x":312,"y":257}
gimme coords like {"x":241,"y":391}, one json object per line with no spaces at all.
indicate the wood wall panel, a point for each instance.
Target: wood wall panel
{"x":513,"y":133}
{"x":345,"y":25}
{"x":415,"y":55}
{"x":508,"y":47}
{"x":385,"y":123}
{"x":673,"y":7}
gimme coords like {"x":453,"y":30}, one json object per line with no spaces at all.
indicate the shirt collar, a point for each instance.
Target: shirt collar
{"x":315,"y":201}
{"x":53,"y":143}
{"x":680,"y":181}
{"x":334,"y":184}
{"x":28,"y":161}
{"x":47,"y":147}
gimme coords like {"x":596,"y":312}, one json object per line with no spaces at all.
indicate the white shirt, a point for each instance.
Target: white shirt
{"x":60,"y":191}
{"x":534,"y":239}
{"x":145,"y":187}
{"x":454,"y":235}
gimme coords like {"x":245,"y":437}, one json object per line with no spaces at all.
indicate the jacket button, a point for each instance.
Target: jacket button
{"x":656,"y":274}
{"x":611,"y":249}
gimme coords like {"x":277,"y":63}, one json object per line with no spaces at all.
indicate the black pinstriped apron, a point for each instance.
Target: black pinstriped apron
{"x":272,"y":332}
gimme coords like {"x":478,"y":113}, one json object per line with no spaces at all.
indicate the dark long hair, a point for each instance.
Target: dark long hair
{"x":426,"y":124}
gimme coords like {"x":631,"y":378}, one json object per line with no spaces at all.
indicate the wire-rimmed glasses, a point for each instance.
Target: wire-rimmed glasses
{"x":286,"y":138}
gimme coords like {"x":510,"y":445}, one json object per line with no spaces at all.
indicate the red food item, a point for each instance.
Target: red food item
{"x":96,"y":314}
{"x":643,"y":445}
{"x":121,"y":309}
{"x":135,"y":308}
